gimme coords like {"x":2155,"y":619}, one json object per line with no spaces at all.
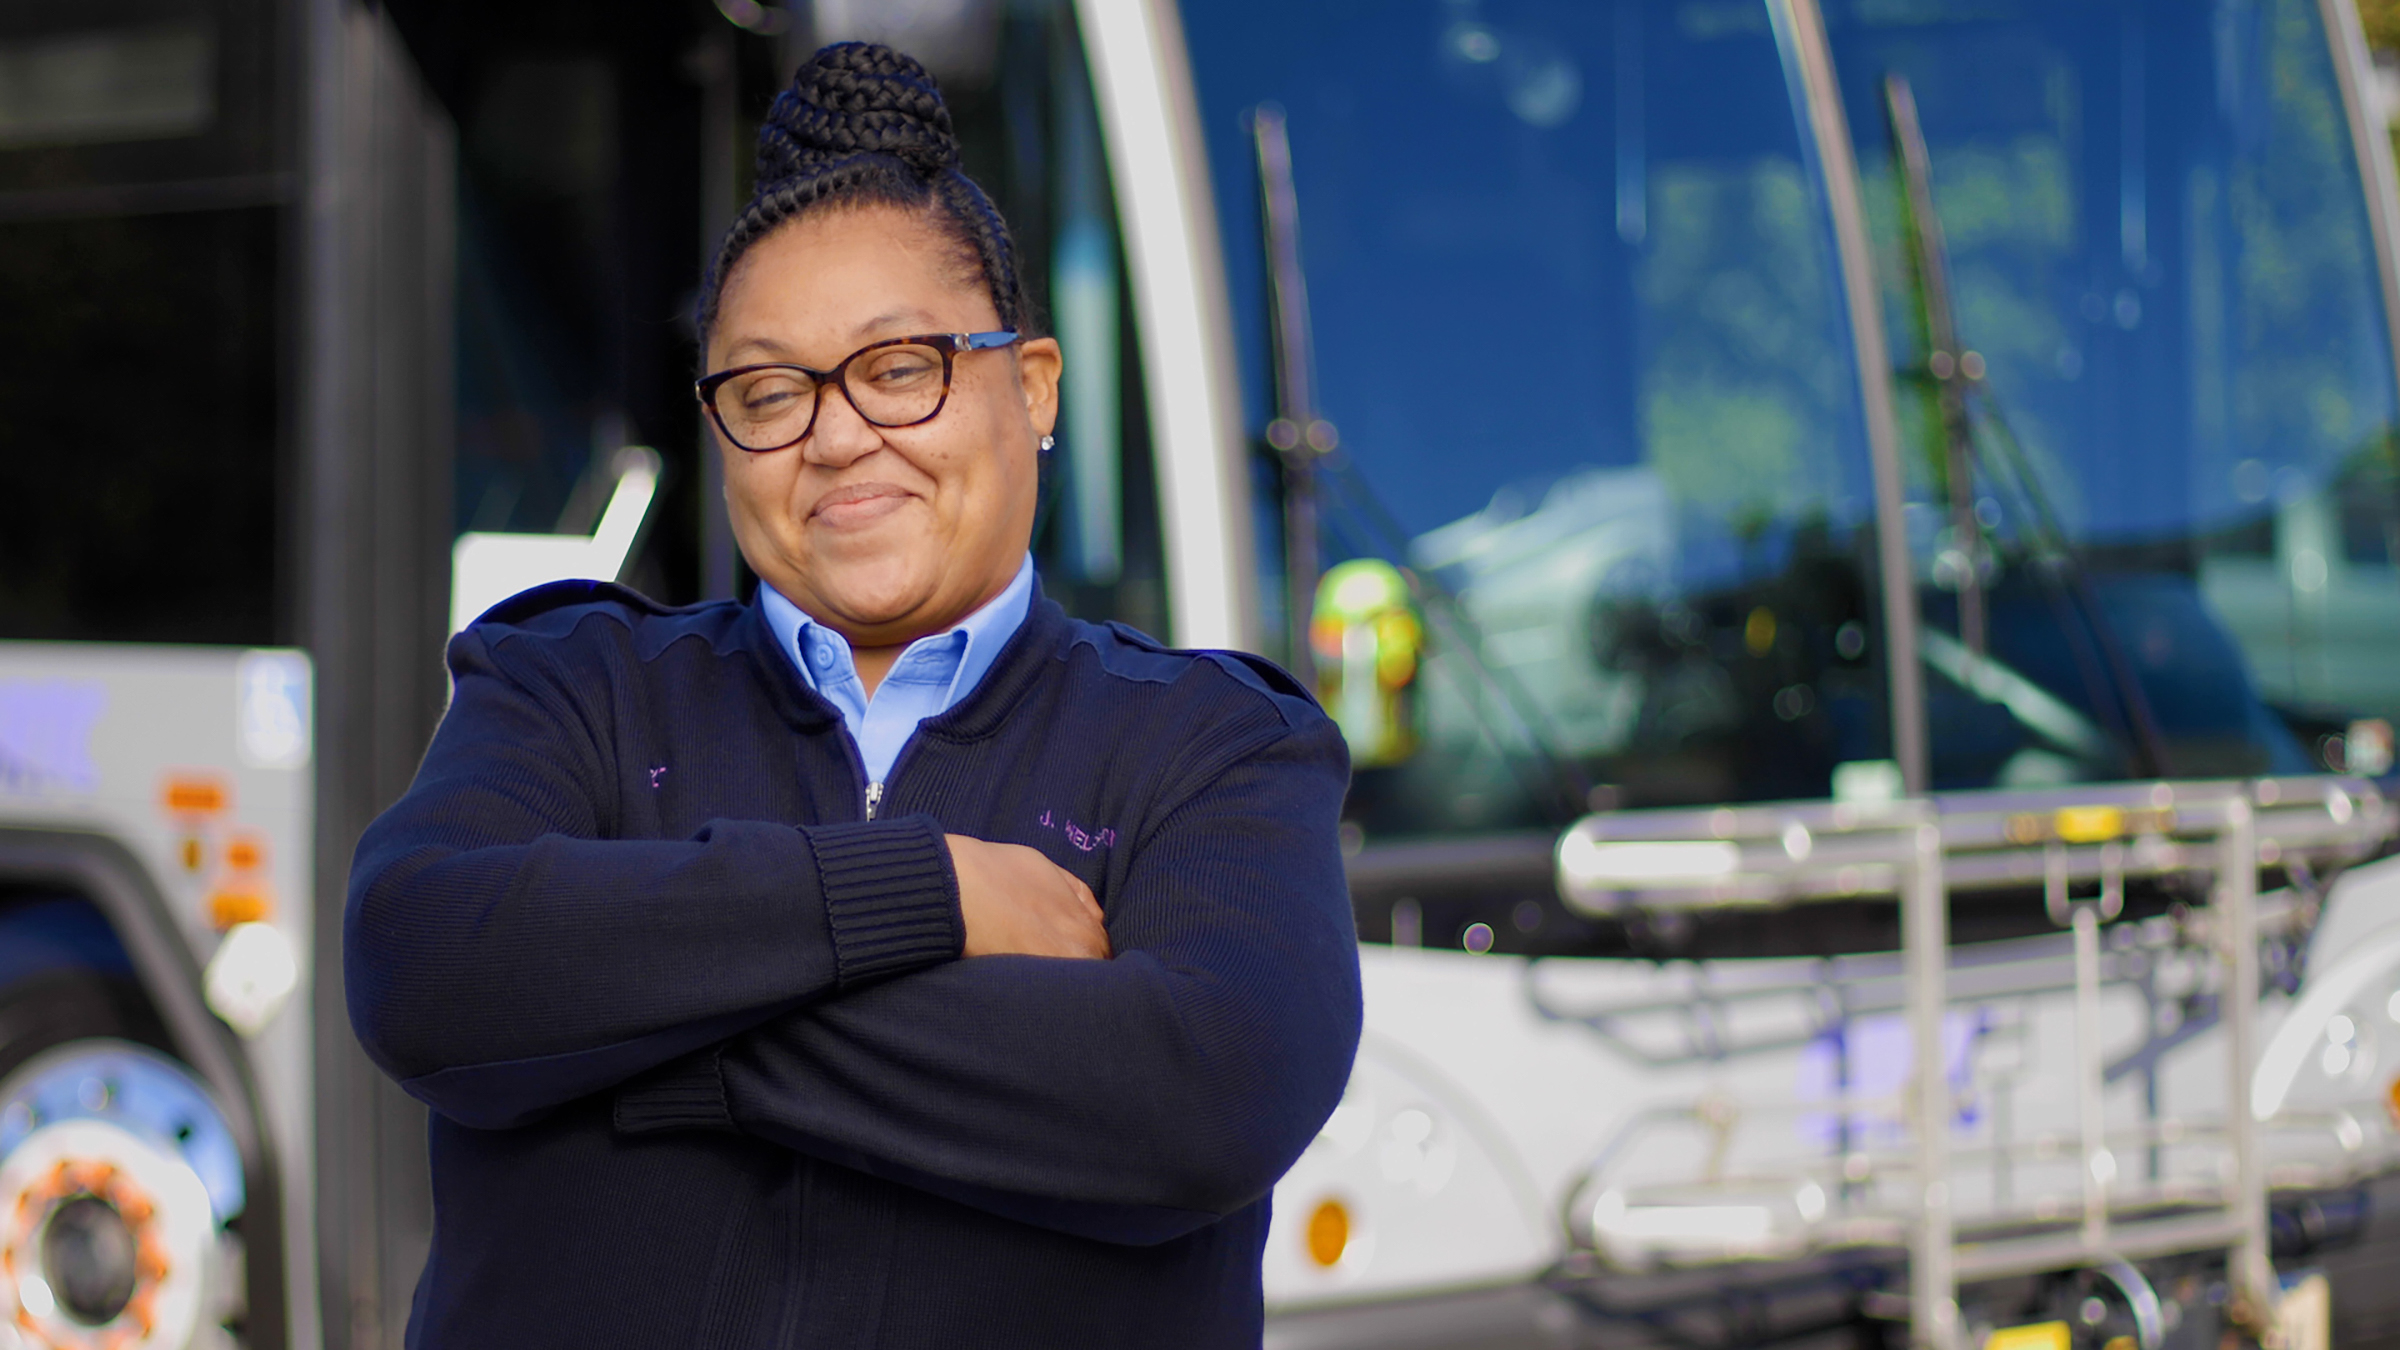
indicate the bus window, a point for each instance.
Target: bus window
{"x":1577,"y":320}
{"x":141,"y":267}
{"x":2182,"y":447}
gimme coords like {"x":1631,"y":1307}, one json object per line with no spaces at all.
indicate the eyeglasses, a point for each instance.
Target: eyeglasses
{"x":899,"y":382}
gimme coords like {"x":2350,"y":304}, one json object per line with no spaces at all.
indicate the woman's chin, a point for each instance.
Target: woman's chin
{"x":875,"y":598}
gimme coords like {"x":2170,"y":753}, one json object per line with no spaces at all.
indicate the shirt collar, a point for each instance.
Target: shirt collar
{"x":984,"y":633}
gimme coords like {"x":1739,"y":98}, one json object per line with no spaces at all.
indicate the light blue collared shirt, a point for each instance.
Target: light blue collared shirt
{"x":932,"y":675}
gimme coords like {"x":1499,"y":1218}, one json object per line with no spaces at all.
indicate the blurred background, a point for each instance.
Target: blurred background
{"x":1619,"y":413}
{"x":577,"y":163}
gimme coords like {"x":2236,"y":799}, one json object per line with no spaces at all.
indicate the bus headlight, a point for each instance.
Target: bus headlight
{"x":2328,"y":1052}
{"x":251,"y":975}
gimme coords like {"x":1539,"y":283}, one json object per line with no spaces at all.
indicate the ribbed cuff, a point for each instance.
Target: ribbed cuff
{"x":688,"y":1094}
{"x":890,"y":894}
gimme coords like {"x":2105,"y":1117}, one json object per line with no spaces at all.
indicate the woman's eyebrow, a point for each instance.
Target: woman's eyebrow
{"x":762,"y":346}
{"x":922,"y":319}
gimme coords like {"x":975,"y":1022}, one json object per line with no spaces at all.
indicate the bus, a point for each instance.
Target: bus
{"x":1858,"y":663}
{"x":1850,"y":540}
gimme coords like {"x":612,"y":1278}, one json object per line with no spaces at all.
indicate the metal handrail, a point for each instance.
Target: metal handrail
{"x":1798,"y":852}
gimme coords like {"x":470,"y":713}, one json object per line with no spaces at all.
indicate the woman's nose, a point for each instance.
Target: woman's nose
{"x":841,"y":436}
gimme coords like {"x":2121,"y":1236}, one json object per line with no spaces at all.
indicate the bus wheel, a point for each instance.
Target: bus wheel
{"x":117,"y":1179}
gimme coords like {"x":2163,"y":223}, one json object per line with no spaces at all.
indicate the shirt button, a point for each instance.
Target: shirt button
{"x":820,"y":651}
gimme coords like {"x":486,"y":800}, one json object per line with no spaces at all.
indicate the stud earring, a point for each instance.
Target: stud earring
{"x":1047,"y":442}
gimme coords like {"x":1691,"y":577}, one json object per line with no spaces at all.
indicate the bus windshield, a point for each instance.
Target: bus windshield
{"x":1600,"y":523}
{"x":1578,"y":322}
{"x":2160,"y":249}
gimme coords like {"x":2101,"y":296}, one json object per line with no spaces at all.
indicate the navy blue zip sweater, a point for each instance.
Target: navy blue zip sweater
{"x":705,"y":1065}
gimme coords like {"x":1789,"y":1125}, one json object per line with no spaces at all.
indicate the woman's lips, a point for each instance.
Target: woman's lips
{"x":858,"y":504}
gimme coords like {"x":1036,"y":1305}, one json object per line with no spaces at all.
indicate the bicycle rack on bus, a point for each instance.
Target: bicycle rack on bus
{"x":2078,"y":847}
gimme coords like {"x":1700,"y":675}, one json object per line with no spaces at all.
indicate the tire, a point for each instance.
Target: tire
{"x":69,"y":1003}
{"x":136,"y":1180}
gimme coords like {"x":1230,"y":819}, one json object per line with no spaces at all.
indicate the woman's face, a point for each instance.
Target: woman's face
{"x":882,"y":534}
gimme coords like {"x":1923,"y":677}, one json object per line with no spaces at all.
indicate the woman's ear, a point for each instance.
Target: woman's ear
{"x":1038,"y":365}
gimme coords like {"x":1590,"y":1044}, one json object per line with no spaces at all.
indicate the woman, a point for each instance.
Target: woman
{"x":892,"y":961}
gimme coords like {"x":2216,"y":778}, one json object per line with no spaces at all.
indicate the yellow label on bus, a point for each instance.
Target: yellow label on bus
{"x":2089,"y":824}
{"x":2039,"y":1336}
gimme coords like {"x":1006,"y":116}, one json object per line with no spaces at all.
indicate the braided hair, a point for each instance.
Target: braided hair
{"x":863,"y":125}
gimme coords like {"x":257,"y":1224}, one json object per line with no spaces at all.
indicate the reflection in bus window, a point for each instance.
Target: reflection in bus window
{"x":1578,"y":322}
{"x":2160,"y":249}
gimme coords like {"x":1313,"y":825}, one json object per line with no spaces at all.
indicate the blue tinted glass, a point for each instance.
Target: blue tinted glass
{"x":2160,"y":247}
{"x":1577,"y":320}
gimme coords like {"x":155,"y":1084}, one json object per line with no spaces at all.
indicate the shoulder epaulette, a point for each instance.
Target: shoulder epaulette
{"x":557,"y":595}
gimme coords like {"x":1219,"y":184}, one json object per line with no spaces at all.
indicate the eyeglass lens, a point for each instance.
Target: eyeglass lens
{"x":889,"y":386}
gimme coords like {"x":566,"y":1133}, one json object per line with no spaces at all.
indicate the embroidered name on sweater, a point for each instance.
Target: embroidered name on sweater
{"x":1082,"y":839}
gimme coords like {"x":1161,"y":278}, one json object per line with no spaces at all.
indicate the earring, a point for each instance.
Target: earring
{"x":1047,"y":442}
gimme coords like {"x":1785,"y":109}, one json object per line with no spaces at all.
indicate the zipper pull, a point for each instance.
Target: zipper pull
{"x":874,"y":798}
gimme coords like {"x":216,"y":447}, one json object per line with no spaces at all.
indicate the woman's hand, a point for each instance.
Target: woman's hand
{"x":1015,"y":900}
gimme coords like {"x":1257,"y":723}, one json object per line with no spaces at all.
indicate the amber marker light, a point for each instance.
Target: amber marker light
{"x":1328,"y":1233}
{"x":243,"y":896}
{"x":233,"y":906}
{"x":190,"y":794}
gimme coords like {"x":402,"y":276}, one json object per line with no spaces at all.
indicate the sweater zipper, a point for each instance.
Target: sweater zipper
{"x":875,"y":790}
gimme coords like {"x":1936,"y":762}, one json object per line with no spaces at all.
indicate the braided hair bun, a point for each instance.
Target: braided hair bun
{"x":862,"y":125}
{"x":856,"y":98}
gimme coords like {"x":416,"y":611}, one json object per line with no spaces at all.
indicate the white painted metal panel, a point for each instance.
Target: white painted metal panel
{"x":1142,"y":84}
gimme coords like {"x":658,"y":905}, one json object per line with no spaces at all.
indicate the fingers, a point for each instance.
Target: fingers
{"x":1014,"y":900}
{"x":1092,"y":913}
{"x":1096,"y":922}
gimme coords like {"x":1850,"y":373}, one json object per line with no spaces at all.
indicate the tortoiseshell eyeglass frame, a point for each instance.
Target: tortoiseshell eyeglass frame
{"x":950,"y":345}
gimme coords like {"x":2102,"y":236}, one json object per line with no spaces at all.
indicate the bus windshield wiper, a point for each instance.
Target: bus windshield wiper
{"x":1952,"y":367}
{"x":1957,"y":375}
{"x":1305,"y":442}
{"x":2148,"y":744}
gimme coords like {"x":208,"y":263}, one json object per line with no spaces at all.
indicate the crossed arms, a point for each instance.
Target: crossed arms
{"x":981,"y":1030}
